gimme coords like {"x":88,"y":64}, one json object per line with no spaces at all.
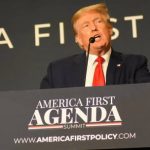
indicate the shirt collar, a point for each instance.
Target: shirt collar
{"x":106,"y":56}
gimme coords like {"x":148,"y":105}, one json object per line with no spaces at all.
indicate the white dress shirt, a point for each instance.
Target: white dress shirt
{"x":91,"y":67}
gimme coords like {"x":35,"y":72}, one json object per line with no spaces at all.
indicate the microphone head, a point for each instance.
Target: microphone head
{"x":92,"y":39}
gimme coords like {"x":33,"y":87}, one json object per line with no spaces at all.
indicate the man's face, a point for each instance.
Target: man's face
{"x":93,"y":24}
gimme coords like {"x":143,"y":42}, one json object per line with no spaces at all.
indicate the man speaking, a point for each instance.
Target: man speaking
{"x":99,"y":64}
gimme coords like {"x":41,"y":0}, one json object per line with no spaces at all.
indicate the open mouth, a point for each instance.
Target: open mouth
{"x":97,"y":37}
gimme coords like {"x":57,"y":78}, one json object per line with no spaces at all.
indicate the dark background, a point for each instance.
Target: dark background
{"x":23,"y":66}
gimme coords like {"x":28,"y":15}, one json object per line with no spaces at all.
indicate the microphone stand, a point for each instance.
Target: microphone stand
{"x":91,"y":40}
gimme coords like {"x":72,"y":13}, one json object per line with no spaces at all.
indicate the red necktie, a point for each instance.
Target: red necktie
{"x":99,"y":79}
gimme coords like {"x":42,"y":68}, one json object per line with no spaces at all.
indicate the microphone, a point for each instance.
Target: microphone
{"x":91,"y":40}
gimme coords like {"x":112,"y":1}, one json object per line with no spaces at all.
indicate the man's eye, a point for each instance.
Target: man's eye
{"x":85,"y":25}
{"x":99,"y":21}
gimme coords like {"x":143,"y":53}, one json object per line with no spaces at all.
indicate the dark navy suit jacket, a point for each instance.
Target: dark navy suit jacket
{"x":122,"y":69}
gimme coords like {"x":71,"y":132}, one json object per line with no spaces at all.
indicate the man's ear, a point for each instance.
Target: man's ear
{"x":78,"y":41}
{"x":111,"y":31}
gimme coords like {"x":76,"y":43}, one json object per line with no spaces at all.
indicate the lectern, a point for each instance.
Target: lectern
{"x":110,"y":117}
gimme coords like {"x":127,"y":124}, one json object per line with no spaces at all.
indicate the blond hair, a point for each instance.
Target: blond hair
{"x":100,"y":8}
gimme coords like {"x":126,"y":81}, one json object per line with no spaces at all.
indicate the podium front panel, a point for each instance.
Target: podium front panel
{"x":108,"y":117}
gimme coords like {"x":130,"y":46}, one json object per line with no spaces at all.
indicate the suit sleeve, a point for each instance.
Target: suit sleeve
{"x":142,"y":73}
{"x":47,"y":81}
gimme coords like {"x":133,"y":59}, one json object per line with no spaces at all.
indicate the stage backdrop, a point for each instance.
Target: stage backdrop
{"x":34,"y":33}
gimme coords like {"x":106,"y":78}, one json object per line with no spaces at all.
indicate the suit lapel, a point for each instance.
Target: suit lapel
{"x":114,"y":68}
{"x":79,"y":66}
